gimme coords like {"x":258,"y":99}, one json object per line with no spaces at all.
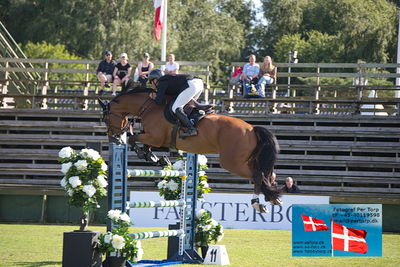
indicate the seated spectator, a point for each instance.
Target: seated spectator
{"x":235,"y":78}
{"x":171,"y":67}
{"x":267,"y":73}
{"x":105,"y":70}
{"x":250,"y":71}
{"x":122,"y":72}
{"x":290,"y":187}
{"x":145,"y":67}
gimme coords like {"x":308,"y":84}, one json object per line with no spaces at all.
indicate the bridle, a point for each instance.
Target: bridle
{"x":107,"y":120}
{"x":144,"y":109}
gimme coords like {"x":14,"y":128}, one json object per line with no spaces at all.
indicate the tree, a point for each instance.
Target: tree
{"x":365,"y":29}
{"x":46,"y":50}
{"x":198,"y":30}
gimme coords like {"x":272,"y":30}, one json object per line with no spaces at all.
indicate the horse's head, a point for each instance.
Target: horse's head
{"x":116,"y":121}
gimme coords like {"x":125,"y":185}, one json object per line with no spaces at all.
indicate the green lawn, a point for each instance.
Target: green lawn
{"x":41,"y":245}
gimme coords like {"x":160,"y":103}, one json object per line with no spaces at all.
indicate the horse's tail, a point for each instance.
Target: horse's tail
{"x":262,"y":161}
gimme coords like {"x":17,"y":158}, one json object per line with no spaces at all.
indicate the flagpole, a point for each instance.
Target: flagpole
{"x":332,"y":237}
{"x":164,"y":32}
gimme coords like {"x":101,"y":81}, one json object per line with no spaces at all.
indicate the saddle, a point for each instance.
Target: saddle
{"x":194,"y":110}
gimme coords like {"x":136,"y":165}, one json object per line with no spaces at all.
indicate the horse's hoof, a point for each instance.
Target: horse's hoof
{"x":164,"y":161}
{"x":150,"y":156}
{"x":276,"y":202}
{"x":258,"y":207}
{"x":263,"y":209}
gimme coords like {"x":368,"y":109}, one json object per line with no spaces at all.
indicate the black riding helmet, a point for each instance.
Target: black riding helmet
{"x":154,"y":74}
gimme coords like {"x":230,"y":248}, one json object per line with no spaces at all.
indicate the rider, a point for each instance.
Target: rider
{"x":184,"y":86}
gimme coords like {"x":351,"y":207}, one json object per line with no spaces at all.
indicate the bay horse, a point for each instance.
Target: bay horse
{"x":244,"y":150}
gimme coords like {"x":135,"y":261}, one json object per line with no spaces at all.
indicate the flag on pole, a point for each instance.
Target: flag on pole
{"x":158,"y":18}
{"x":349,"y":239}
{"x":313,"y":224}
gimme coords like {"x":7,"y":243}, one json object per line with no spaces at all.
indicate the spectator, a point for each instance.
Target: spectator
{"x":235,"y":78}
{"x":122,"y":72}
{"x":290,"y":187}
{"x":274,"y":184}
{"x":171,"y":67}
{"x":250,"y":70}
{"x":267,"y":72}
{"x":145,"y":67}
{"x":105,"y":70}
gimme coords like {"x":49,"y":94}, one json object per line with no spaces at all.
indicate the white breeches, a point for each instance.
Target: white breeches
{"x":194,"y":90}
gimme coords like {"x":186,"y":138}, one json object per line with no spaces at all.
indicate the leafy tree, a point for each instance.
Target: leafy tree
{"x":365,"y":29}
{"x":315,"y":47}
{"x":46,"y":50}
{"x":197,"y":30}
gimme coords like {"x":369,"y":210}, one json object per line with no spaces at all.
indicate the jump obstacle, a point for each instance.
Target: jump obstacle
{"x":117,"y":199}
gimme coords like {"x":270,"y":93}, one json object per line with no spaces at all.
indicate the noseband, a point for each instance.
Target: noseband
{"x":107,"y":120}
{"x":144,"y":109}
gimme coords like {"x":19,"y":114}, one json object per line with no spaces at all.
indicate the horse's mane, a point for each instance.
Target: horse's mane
{"x":133,"y":90}
{"x":139,"y":89}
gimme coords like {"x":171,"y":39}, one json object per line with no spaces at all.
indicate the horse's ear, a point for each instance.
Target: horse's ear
{"x":102,"y":104}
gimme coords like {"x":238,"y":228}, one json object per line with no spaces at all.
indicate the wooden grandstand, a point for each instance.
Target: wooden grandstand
{"x":328,"y":144}
{"x":334,"y":156}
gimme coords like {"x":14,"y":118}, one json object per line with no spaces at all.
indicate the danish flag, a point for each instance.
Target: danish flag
{"x":158,"y":18}
{"x":348,"y":239}
{"x":312,"y":224}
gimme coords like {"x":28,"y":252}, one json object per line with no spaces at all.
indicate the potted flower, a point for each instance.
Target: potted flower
{"x":170,"y":187}
{"x":85,"y":179}
{"x":207,"y":231}
{"x":117,"y":244}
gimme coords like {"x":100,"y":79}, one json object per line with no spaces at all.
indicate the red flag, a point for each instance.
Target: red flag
{"x":312,"y":224}
{"x":158,"y":18}
{"x":348,"y":239}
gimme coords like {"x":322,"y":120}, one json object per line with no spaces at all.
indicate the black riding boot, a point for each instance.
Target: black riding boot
{"x":191,"y":130}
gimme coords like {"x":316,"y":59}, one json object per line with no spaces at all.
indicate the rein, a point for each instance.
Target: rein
{"x":144,"y":109}
{"x":147,"y":105}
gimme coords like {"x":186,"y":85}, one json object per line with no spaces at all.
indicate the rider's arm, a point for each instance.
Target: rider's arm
{"x":161,"y":89}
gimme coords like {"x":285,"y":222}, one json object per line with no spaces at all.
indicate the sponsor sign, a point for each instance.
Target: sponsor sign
{"x":231,"y":210}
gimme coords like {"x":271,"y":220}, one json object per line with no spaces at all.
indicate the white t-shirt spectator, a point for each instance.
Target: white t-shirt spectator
{"x":171,"y":67}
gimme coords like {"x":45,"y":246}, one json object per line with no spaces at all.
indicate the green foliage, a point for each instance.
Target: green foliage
{"x":85,"y":177}
{"x":171,"y":187}
{"x":341,"y":30}
{"x":58,"y":51}
{"x":207,"y":230}
{"x":218,"y":31}
{"x":119,"y":240}
{"x":316,"y":47}
{"x":47,"y":50}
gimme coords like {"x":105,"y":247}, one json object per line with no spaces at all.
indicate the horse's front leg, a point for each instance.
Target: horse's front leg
{"x":145,"y":152}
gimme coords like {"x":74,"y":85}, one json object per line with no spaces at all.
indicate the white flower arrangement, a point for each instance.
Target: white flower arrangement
{"x":208,"y":230}
{"x":170,"y":187}
{"x":119,"y":240}
{"x":85,"y":177}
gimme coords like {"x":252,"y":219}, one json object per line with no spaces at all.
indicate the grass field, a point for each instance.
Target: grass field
{"x":41,"y":245}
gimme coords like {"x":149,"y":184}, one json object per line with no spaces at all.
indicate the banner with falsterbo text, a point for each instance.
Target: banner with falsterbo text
{"x":231,"y":210}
